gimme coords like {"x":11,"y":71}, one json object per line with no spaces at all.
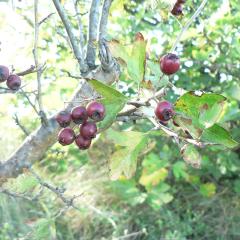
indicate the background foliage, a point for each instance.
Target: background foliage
{"x":166,"y":198}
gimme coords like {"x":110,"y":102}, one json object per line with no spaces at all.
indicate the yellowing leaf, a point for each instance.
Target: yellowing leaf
{"x":208,"y":189}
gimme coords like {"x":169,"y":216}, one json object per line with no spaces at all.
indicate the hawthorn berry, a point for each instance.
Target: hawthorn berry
{"x":181,"y":1}
{"x":88,"y":130}
{"x":169,"y":63}
{"x":164,"y":111}
{"x":14,"y":82}
{"x":96,"y":111}
{"x":66,"y":136}
{"x":64,"y":119}
{"x":4,"y":73}
{"x":82,"y":142}
{"x":79,"y":114}
{"x":177,"y":10}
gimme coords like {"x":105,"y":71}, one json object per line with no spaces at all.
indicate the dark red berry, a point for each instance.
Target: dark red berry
{"x":164,"y":111}
{"x":66,"y":136}
{"x":64,"y":119}
{"x":82,"y":142}
{"x":180,"y":1}
{"x":4,"y":73}
{"x":79,"y":115}
{"x":14,"y":82}
{"x":177,"y":10}
{"x":88,"y":130}
{"x":96,"y":111}
{"x":169,"y":63}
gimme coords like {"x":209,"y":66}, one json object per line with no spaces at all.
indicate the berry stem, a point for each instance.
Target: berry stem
{"x":188,"y":23}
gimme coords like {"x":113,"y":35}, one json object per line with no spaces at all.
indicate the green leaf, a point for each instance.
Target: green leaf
{"x":159,"y":196}
{"x":209,"y":116}
{"x":124,"y":159}
{"x":192,"y":104}
{"x":191,"y":156}
{"x":113,"y":101}
{"x":126,"y":190}
{"x":218,"y":135}
{"x":208,"y":189}
{"x":133,"y":56}
{"x":179,"y":170}
{"x":190,"y":125}
{"x":41,"y":230}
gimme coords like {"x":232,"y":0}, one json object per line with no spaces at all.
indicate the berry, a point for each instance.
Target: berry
{"x":169,"y":63}
{"x":82,"y":142}
{"x":88,"y":130}
{"x":96,"y":111}
{"x":66,"y":136}
{"x":177,"y":10}
{"x":14,"y":82}
{"x":64,"y":119}
{"x":181,"y":1}
{"x":4,"y":73}
{"x":164,"y":111}
{"x":79,"y":114}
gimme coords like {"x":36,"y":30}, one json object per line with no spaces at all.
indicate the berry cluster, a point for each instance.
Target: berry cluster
{"x":86,"y":118}
{"x":13,"y":80}
{"x":177,"y":9}
{"x":164,"y":112}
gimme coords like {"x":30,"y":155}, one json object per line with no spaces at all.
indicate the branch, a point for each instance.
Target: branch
{"x":36,"y":144}
{"x":78,"y":52}
{"x":92,"y":33}
{"x":107,"y":62}
{"x":104,"y":19}
{"x":189,"y":22}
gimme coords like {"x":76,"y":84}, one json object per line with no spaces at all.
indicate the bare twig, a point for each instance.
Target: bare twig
{"x":45,"y":19}
{"x":29,"y":100}
{"x":22,"y":195}
{"x":188,"y":23}
{"x":31,"y":69}
{"x":25,"y":131}
{"x":78,"y":52}
{"x":40,"y":70}
{"x":92,"y":33}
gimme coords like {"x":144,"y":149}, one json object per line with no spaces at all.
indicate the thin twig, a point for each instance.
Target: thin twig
{"x":39,"y":70}
{"x":78,"y":52}
{"x":45,"y":19}
{"x":188,"y":23}
{"x":30,"y":102}
{"x":18,"y":123}
{"x":31,"y":69}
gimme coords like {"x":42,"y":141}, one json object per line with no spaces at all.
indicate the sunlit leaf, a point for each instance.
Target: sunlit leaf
{"x":113,"y":101}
